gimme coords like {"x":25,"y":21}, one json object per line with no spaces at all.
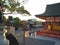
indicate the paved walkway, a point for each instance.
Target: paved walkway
{"x":37,"y":40}
{"x":1,"y":32}
{"x":30,"y":41}
{"x":33,"y":41}
{"x":57,"y":41}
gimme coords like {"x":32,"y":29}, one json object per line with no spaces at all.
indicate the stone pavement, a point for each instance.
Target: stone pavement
{"x":34,"y":41}
{"x":1,"y":32}
{"x":30,"y":41}
{"x":37,"y":40}
{"x":1,"y":39}
{"x":56,"y":40}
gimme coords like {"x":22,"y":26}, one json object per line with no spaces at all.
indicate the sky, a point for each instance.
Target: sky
{"x":38,"y":6}
{"x":34,"y":7}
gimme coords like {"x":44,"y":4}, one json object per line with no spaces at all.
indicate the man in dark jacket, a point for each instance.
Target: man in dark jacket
{"x":11,"y":38}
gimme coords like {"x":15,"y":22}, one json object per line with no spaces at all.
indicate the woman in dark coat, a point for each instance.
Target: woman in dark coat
{"x":11,"y":38}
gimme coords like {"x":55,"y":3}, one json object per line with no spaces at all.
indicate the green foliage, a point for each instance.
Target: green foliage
{"x":22,"y":10}
{"x":17,"y":21}
{"x":25,"y":11}
{"x":10,"y":18}
{"x":2,"y":2}
{"x":11,"y":1}
{"x":14,"y":6}
{"x":4,"y":19}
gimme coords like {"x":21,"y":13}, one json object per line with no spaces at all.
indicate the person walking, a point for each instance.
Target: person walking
{"x":11,"y":38}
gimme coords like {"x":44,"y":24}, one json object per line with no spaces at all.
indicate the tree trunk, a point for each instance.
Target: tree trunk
{"x":0,"y":17}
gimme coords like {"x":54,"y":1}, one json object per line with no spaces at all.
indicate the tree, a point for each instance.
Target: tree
{"x":22,"y":10}
{"x":12,"y":5}
{"x":17,"y":22}
{"x":10,"y":18}
{"x":4,"y":19}
{"x":1,"y":5}
{"x":16,"y":6}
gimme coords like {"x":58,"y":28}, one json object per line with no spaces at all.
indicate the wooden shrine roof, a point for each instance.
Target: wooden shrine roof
{"x":52,"y":10}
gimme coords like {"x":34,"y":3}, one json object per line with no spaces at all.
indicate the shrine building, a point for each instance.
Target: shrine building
{"x":51,"y":17}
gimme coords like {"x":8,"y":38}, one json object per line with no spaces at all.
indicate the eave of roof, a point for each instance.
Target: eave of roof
{"x":51,"y":10}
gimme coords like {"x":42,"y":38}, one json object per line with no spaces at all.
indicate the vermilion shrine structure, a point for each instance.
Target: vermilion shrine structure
{"x":52,"y":20}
